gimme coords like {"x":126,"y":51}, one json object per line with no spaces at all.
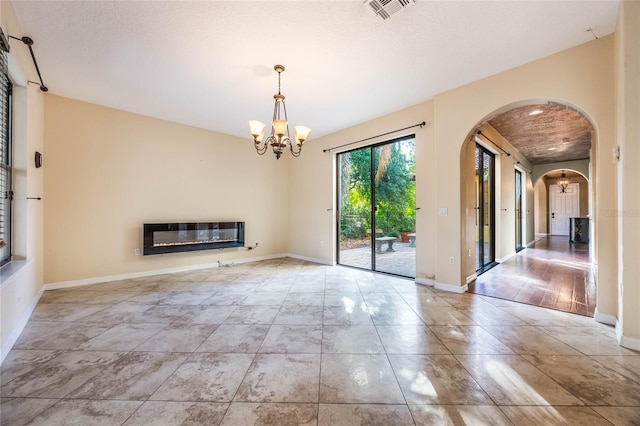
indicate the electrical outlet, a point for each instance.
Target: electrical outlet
{"x":443,"y":211}
{"x":137,"y":252}
{"x":451,"y":260}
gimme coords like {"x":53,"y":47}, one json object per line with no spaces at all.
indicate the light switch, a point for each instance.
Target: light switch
{"x":443,"y":211}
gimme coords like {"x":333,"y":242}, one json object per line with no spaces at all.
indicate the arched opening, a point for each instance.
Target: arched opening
{"x":536,"y":145}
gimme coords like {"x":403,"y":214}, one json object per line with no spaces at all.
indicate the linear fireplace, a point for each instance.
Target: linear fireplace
{"x":161,"y":238}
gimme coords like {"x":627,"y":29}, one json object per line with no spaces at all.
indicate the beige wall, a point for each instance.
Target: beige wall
{"x":627,"y":210}
{"x":583,"y":186}
{"x":581,"y":77}
{"x":21,"y":281}
{"x":107,"y":172}
{"x":540,"y":207}
{"x":542,"y":194}
{"x":505,"y":195}
{"x":312,"y":181}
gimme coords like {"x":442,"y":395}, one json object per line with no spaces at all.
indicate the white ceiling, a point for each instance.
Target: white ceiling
{"x":210,"y":64}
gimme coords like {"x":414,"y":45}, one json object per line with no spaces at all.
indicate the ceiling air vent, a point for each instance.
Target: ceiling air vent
{"x":386,"y":8}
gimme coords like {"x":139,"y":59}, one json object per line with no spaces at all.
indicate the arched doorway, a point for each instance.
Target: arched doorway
{"x":533,"y":141}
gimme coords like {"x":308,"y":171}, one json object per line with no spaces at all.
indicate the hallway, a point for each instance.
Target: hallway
{"x":552,"y":273}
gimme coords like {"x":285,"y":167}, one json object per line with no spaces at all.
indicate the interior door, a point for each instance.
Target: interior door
{"x":562,"y":206}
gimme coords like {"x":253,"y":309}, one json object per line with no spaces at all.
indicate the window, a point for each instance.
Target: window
{"x":6,"y":193}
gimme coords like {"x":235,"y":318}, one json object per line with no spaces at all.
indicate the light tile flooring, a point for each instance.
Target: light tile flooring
{"x":285,"y":342}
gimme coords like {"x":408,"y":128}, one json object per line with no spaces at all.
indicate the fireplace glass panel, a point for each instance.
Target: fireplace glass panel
{"x":162,"y":238}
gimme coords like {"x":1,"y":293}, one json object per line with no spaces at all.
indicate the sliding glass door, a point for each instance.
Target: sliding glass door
{"x":485,"y":214}
{"x":519,"y":245}
{"x":355,"y":219}
{"x":376,"y":207}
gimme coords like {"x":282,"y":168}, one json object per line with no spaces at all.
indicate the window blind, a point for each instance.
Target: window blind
{"x":6,"y":193}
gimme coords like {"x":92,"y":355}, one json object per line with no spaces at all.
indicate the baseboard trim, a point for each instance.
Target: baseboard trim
{"x":311,"y":259}
{"x":425,"y":281}
{"x":15,"y":333}
{"x":471,"y":278}
{"x":604,"y":318}
{"x":109,"y":278}
{"x":452,"y":288}
{"x":507,"y":257}
{"x":442,"y":286}
{"x":628,"y":342}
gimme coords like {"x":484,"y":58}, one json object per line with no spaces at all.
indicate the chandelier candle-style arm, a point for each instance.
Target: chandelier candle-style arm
{"x":279,"y":138}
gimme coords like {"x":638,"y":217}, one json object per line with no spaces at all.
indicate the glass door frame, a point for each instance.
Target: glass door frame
{"x":518,"y":210}
{"x":481,"y":214}
{"x":373,"y":208}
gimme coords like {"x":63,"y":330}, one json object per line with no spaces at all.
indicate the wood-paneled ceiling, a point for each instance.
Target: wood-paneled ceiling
{"x":546,"y":133}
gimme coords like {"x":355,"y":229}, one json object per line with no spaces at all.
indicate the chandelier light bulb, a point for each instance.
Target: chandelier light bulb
{"x":256,"y":127}
{"x":301,"y":134}
{"x":279,"y":127}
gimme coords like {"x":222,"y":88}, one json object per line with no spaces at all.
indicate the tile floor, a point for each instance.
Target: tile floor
{"x":285,"y":342}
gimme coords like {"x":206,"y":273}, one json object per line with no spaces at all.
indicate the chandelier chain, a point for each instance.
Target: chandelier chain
{"x":279,"y":73}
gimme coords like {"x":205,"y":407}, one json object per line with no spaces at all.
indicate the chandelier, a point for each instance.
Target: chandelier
{"x":563,"y":182}
{"x":279,"y":138}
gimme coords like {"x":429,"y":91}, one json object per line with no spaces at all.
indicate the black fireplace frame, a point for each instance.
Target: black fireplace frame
{"x":214,"y":235}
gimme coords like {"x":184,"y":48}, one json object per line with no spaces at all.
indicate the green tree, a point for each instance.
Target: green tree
{"x":395,"y":187}
{"x":394,"y":180}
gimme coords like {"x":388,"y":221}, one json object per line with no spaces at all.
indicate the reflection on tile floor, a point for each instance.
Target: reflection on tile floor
{"x":287,"y":342}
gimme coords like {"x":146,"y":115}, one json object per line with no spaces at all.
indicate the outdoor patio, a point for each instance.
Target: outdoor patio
{"x":401,"y":261}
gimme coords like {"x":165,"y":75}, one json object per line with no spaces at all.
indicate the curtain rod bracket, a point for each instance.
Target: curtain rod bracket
{"x":29,"y":42}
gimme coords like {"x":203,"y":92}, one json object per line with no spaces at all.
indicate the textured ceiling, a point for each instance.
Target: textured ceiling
{"x":552,"y":134}
{"x":210,"y":63}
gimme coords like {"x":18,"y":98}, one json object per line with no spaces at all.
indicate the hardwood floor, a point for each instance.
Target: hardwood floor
{"x":553,"y":273}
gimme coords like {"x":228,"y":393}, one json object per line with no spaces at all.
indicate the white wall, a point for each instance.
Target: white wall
{"x":627,"y":209}
{"x":21,"y":281}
